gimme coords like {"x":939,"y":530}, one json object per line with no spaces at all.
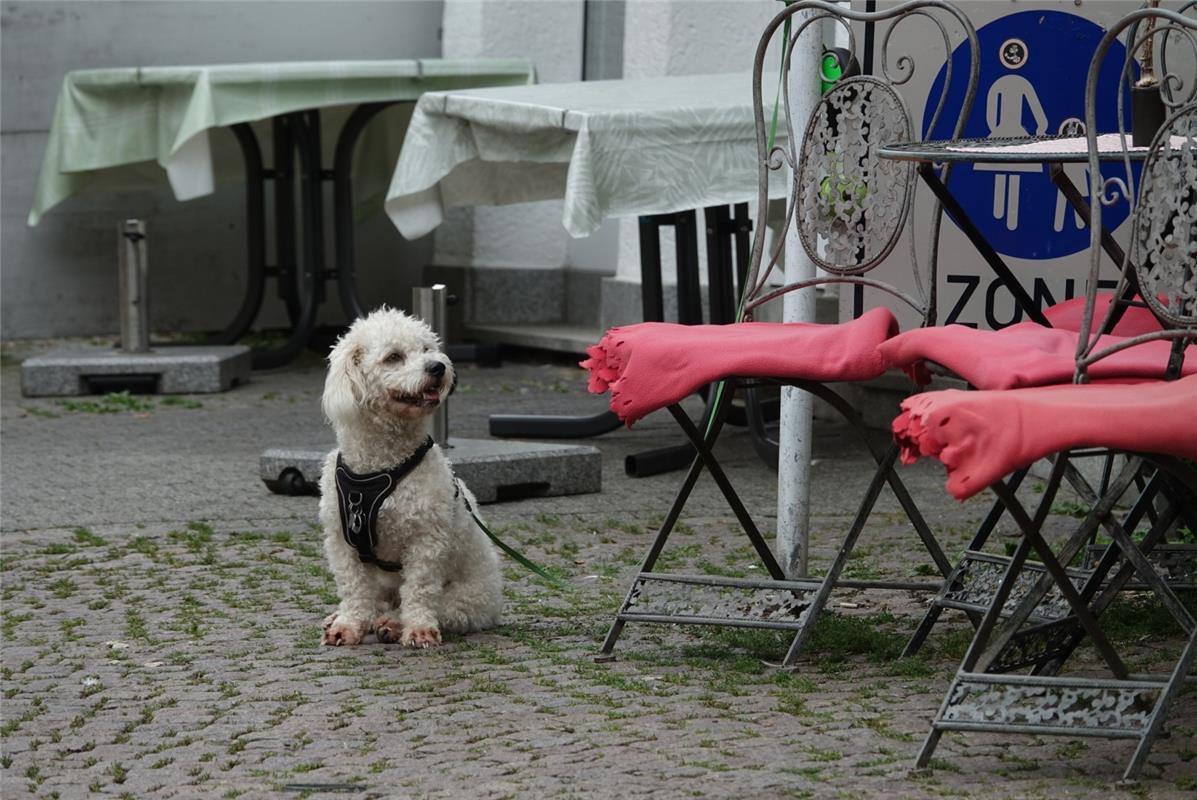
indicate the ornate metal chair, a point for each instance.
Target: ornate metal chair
{"x":1120,"y":312}
{"x":1039,"y":613}
{"x":849,"y":209}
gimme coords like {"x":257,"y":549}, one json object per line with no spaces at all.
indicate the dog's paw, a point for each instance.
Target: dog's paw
{"x":424,"y":636}
{"x":388,"y":630}
{"x":339,"y":631}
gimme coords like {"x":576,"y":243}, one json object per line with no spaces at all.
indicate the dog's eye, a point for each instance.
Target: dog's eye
{"x":393,"y":357}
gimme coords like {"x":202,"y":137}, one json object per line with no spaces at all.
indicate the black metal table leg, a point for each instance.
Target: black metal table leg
{"x":1111,"y":247}
{"x":286,"y":258}
{"x":725,"y":230}
{"x":689,"y":291}
{"x":343,"y":205}
{"x":306,"y":128}
{"x":995,"y":262}
{"x":255,"y":232}
{"x":721,"y":233}
{"x":652,"y":293}
{"x":301,"y":289}
{"x":720,"y":276}
{"x":741,"y":227}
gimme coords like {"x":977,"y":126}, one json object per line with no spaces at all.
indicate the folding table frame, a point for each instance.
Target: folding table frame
{"x":301,"y":276}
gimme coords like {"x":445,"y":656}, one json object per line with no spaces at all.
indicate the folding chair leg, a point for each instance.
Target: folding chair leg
{"x":775,"y":602}
{"x":729,"y":492}
{"x":976,"y":649}
{"x":981,"y":639}
{"x":985,"y":646}
{"x":833,"y":574}
{"x":1014,"y":646}
{"x":1124,"y":706}
{"x":996,"y":511}
{"x":675,"y":510}
{"x":1100,"y":589}
{"x":973,"y":568}
{"x":926,"y":625}
{"x":928,"y":749}
{"x":1079,"y":608}
{"x":852,"y":416}
{"x":1175,"y":681}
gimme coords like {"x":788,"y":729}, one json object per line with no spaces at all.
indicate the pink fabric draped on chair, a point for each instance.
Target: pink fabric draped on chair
{"x":654,"y":364}
{"x":1026,"y":354}
{"x":1068,"y":314}
{"x":981,"y":436}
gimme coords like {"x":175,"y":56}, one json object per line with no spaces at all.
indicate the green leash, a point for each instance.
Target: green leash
{"x":521,"y":559}
{"x":515,"y":555}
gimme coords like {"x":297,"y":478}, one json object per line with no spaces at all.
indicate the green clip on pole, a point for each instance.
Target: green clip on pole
{"x":837,"y":63}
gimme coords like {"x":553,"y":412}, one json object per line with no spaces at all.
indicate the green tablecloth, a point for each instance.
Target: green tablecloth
{"x":608,"y":148}
{"x":110,"y":122}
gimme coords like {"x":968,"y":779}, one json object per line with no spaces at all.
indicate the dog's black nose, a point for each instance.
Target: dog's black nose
{"x":435,"y":368}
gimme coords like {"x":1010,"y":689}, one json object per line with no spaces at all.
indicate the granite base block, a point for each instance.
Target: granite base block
{"x":185,"y":369}
{"x":495,"y":470}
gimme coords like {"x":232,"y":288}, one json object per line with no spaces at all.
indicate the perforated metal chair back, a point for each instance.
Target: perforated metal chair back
{"x":848,"y":206}
{"x":1161,"y":261}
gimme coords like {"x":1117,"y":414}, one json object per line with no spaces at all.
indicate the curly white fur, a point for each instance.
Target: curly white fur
{"x":379,"y":395}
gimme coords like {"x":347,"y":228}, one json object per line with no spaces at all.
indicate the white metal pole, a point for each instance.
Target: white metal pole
{"x":793,"y":468}
{"x":133,"y":286}
{"x":429,"y":303}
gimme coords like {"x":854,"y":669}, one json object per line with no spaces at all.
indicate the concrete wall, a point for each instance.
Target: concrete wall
{"x":60,"y":277}
{"x":549,"y":33}
{"x":685,"y":37}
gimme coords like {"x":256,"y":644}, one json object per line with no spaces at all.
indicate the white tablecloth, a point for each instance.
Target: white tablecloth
{"x":109,"y":123}
{"x":608,"y":148}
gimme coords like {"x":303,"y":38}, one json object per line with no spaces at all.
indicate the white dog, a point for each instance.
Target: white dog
{"x":408,"y":558}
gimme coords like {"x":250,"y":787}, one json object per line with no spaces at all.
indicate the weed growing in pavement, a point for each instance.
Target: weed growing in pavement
{"x":115,"y":403}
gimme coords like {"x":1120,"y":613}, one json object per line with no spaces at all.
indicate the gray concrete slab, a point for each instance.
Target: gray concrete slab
{"x":494,"y":469}
{"x":94,"y":369}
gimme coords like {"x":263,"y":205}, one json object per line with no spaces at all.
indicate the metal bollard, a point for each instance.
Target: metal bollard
{"x":134,"y":296}
{"x":429,"y":303}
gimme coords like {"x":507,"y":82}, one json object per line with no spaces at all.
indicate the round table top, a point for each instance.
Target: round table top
{"x":1024,"y":149}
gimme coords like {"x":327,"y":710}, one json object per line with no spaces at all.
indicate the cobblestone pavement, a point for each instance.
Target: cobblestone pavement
{"x":161,"y":613}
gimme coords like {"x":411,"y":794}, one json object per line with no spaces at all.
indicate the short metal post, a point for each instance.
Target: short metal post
{"x":429,"y":304}
{"x":134,"y":297}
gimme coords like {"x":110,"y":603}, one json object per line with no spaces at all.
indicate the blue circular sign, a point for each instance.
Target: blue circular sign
{"x":1032,"y":79}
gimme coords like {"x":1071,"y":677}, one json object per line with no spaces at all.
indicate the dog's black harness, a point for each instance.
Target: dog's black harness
{"x":359,"y":498}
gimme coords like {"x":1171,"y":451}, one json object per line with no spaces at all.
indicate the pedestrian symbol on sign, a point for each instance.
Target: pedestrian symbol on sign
{"x":1008,"y":97}
{"x":1022,"y":93}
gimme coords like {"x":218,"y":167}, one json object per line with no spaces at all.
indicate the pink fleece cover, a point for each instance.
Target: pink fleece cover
{"x":982,"y":436}
{"x":654,"y":364}
{"x":1135,"y":320}
{"x":1026,"y":354}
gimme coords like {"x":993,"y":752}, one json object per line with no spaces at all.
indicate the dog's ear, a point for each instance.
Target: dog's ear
{"x":344,"y":387}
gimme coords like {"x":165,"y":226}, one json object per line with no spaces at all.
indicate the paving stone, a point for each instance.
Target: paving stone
{"x":151,"y":528}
